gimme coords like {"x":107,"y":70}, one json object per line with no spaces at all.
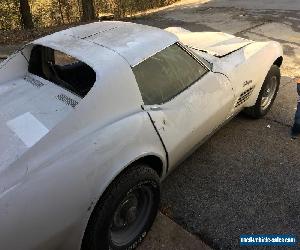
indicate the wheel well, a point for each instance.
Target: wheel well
{"x":278,"y":61}
{"x":152,"y":161}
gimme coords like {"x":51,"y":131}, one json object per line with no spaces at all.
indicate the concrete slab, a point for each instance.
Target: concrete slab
{"x":279,"y":31}
{"x":166,"y":234}
{"x":219,"y":19}
{"x":258,"y":4}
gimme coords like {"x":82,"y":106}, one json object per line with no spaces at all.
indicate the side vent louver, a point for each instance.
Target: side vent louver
{"x":67,"y":100}
{"x":33,"y":81}
{"x":244,"y":96}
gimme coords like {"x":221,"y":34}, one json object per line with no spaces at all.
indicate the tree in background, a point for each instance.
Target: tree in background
{"x":88,"y":10}
{"x":26,"y":16}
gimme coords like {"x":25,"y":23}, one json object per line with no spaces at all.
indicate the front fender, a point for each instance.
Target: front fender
{"x":249,"y":66}
{"x":265,"y":59}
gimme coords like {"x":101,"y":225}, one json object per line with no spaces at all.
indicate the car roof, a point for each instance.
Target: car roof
{"x":134,"y":42}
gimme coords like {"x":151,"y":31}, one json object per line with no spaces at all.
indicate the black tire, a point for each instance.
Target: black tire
{"x":106,"y":227}
{"x":258,"y":111}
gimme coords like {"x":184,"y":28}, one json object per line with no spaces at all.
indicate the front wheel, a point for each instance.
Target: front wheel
{"x":126,"y":212}
{"x":266,"y":95}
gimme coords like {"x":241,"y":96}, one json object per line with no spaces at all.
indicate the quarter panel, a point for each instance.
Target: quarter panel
{"x":47,"y":195}
{"x":56,"y":200}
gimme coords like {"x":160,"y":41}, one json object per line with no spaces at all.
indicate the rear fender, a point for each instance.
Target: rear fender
{"x":73,"y":179}
{"x":105,"y":166}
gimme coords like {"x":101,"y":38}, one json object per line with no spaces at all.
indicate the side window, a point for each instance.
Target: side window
{"x":63,"y":59}
{"x":62,"y":69}
{"x":166,"y":74}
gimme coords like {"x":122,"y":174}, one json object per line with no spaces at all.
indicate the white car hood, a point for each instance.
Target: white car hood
{"x":215,"y":43}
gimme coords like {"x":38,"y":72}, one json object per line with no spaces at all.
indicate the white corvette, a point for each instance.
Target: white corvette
{"x":93,"y":118}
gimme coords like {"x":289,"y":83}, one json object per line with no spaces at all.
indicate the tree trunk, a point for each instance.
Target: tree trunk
{"x":88,"y":10}
{"x":26,"y":16}
{"x":61,"y":11}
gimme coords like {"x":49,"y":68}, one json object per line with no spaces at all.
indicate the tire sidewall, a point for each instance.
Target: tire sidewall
{"x":98,"y":236}
{"x":152,"y":215}
{"x":274,"y":71}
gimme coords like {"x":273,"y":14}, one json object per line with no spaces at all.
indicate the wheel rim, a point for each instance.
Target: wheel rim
{"x":131,"y":215}
{"x":269,"y":93}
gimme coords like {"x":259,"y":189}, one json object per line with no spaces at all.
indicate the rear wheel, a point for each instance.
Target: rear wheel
{"x":266,"y":95}
{"x":125,"y":213}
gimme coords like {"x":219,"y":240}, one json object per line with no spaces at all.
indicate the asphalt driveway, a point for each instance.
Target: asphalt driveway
{"x":246,"y":178}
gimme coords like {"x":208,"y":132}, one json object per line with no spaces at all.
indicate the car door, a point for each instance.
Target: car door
{"x":184,"y":99}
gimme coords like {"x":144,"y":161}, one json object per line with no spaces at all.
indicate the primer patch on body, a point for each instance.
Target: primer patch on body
{"x":28,"y":128}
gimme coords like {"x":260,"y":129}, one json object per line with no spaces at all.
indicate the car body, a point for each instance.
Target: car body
{"x":61,"y":149}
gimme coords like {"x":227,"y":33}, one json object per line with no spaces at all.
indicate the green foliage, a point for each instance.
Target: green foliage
{"x":48,"y":13}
